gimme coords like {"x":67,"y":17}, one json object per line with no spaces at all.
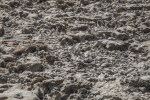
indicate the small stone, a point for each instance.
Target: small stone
{"x":3,"y":79}
{"x":31,"y":63}
{"x":31,"y":16}
{"x":114,"y":34}
{"x":66,"y":40}
{"x":14,"y":3}
{"x":145,"y":78}
{"x":35,"y":67}
{"x":20,"y":68}
{"x":42,"y":47}
{"x":3,"y":98}
{"x":104,"y":34}
{"x":8,"y":58}
{"x":60,"y":1}
{"x":126,"y":29}
{"x":51,"y":59}
{"x":2,"y":90}
{"x":146,"y":30}
{"x":62,"y":6}
{"x":1,"y":30}
{"x":2,"y":64}
{"x":80,"y":28}
{"x":8,"y":49}
{"x":40,"y":1}
{"x":104,"y":65}
{"x":31,"y":48}
{"x":136,"y":47}
{"x":51,"y":83}
{"x":81,"y":65}
{"x":85,"y":2}
{"x":75,"y":38}
{"x":18,"y":51}
{"x":34,"y":64}
{"x":18,"y":96}
{"x":56,"y":95}
{"x":82,"y":36}
{"x":139,"y":81}
{"x":115,"y":45}
{"x":70,"y":88}
{"x":27,"y":30}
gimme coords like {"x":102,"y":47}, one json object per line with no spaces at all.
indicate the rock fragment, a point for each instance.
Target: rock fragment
{"x":1,"y":30}
{"x":145,"y":78}
{"x":51,"y":59}
{"x":14,"y":3}
{"x":105,"y":65}
{"x":56,"y":95}
{"x":52,"y":82}
{"x":40,"y":1}
{"x":85,"y":2}
{"x":139,"y":81}
{"x":80,"y":28}
{"x":42,"y":47}
{"x":114,"y":34}
{"x":34,"y":64}
{"x":137,"y":48}
{"x":75,"y":38}
{"x":18,"y":51}
{"x":28,"y":30}
{"x":62,"y":6}
{"x":20,"y":68}
{"x":31,"y":48}
{"x":8,"y":58}
{"x":60,"y":1}
{"x":115,"y":45}
{"x":2,"y":64}
{"x":3,"y":79}
{"x":146,"y":30}
{"x":48,"y":85}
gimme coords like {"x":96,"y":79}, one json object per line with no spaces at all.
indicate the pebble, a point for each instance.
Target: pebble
{"x":1,"y":30}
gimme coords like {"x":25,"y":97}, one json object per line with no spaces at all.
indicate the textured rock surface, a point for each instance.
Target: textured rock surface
{"x":74,"y":50}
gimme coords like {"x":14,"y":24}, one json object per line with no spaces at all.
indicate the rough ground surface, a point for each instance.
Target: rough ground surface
{"x":74,"y":50}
